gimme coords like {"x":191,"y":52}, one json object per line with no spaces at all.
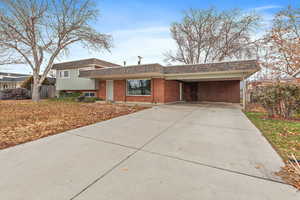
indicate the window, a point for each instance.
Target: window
{"x":89,"y":94}
{"x":64,"y":74}
{"x":139,"y":87}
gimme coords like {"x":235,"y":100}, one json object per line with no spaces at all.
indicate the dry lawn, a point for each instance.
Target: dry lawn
{"x":284,"y":136}
{"x":23,"y":121}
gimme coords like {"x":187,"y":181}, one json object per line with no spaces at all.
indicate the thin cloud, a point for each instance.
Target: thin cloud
{"x":267,"y":7}
{"x":147,"y":30}
{"x":149,"y":42}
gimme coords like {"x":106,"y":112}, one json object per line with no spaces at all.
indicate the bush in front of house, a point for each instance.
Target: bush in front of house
{"x":280,"y":99}
{"x":63,"y":94}
{"x":15,"y":94}
{"x":91,"y":99}
{"x":75,"y":97}
{"x":85,"y":99}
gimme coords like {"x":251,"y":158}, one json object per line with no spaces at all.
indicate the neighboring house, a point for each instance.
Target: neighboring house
{"x":11,"y":80}
{"x":267,"y":82}
{"x":68,"y":80}
{"x":154,"y":83}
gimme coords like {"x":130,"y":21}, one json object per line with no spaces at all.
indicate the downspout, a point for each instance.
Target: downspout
{"x":152,"y":89}
{"x":244,"y":92}
{"x":125,"y":90}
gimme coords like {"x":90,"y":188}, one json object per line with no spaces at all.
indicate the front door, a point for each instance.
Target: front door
{"x":109,"y":90}
{"x":194,"y":91}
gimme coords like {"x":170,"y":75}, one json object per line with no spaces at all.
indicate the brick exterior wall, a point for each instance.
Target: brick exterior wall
{"x":162,"y":91}
{"x":119,"y":90}
{"x":172,"y":91}
{"x":158,"y":90}
{"x":187,"y":92}
{"x":102,"y":89}
{"x":215,"y":91}
{"x":166,"y":91}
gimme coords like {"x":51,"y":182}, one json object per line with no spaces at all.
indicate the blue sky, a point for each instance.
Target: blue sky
{"x":141,"y":27}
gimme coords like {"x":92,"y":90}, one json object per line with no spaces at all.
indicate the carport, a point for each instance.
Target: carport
{"x":213,"y":91}
{"x":214,"y":82}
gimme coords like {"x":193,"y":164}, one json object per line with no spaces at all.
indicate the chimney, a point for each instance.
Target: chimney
{"x":140,"y":60}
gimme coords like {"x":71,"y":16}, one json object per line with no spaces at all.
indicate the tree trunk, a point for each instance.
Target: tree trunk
{"x":35,"y":92}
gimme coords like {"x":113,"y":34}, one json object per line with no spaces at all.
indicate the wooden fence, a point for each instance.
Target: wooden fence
{"x":47,"y":91}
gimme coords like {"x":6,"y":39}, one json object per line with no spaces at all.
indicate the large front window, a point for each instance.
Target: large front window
{"x":139,"y":87}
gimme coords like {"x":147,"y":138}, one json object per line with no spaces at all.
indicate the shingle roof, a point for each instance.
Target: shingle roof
{"x":13,"y":74}
{"x":134,"y":69}
{"x":213,"y":67}
{"x":245,"y":65}
{"x":83,"y":63}
{"x":10,"y":79}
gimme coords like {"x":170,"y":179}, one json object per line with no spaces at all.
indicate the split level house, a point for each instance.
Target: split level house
{"x":155,"y":83}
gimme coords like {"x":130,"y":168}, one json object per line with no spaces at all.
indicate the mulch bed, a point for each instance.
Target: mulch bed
{"x":23,"y":121}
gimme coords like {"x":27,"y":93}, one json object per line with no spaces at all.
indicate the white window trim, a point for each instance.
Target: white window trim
{"x":89,"y":94}
{"x":138,"y":95}
{"x":62,"y":72}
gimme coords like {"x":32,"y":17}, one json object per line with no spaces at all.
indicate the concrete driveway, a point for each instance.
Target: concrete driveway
{"x":174,"y":152}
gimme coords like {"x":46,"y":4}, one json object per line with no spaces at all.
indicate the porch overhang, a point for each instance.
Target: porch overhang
{"x":211,"y":76}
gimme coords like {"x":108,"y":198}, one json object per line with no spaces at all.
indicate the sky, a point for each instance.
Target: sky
{"x":141,"y":27}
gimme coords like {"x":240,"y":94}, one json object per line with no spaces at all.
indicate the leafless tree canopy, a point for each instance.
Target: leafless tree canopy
{"x":36,"y":32}
{"x":208,"y":36}
{"x":281,"y":44}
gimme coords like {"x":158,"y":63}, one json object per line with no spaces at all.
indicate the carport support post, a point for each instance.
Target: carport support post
{"x":244,"y":92}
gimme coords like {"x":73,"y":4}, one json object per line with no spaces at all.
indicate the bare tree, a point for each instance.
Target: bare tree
{"x":207,"y":36}
{"x":281,"y":44}
{"x":36,"y":32}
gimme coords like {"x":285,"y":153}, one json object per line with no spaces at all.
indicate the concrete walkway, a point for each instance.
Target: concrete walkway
{"x":174,"y":152}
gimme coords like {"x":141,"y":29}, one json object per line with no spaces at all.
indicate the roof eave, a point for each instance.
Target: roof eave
{"x":233,"y":74}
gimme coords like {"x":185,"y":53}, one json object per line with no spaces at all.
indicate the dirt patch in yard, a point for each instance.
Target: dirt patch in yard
{"x":23,"y":121}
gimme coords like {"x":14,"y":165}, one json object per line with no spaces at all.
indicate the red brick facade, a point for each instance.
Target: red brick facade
{"x":102,"y":90}
{"x":162,"y":91}
{"x":119,"y":90}
{"x":215,"y":91}
{"x":167,"y":91}
{"x":172,"y":91}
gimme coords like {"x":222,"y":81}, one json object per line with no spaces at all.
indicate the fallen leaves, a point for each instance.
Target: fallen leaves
{"x":288,"y":174}
{"x":23,"y":121}
{"x":284,"y":136}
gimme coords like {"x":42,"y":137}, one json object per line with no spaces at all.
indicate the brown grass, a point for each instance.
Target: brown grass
{"x":23,"y":121}
{"x":284,"y":136}
{"x":288,"y":173}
